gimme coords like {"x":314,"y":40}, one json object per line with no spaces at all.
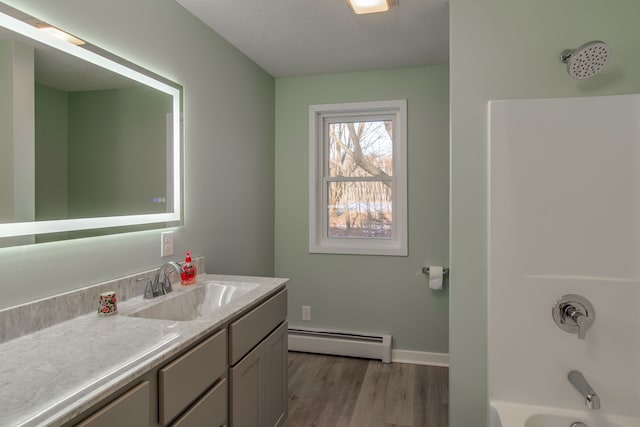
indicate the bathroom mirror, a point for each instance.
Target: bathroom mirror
{"x":90,"y":143}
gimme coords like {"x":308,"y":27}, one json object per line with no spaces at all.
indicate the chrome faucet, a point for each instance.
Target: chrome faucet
{"x":574,"y":314}
{"x":161,"y":284}
{"x":577,"y":380}
{"x":579,"y":318}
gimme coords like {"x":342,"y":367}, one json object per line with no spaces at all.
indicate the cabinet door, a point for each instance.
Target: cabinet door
{"x":130,"y":409}
{"x":244,"y":391}
{"x":274,"y":379}
{"x":259,"y":385}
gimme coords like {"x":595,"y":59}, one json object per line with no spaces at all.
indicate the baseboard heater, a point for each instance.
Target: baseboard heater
{"x":341,"y":343}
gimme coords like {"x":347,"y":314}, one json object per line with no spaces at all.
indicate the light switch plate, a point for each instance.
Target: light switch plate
{"x":166,"y":243}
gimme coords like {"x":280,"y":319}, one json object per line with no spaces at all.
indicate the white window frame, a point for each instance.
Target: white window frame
{"x":319,"y":117}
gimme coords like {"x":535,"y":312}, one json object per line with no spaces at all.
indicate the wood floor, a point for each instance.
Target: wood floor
{"x":331,"y":391}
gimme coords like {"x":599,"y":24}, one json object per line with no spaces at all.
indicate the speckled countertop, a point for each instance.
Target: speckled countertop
{"x":49,"y":376}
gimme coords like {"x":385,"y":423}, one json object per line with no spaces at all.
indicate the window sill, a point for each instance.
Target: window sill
{"x":352,"y":248}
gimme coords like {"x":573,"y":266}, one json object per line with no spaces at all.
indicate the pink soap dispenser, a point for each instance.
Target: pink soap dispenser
{"x":188,"y":275}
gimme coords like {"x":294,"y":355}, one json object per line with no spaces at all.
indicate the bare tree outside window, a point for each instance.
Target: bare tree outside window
{"x":360,"y":178}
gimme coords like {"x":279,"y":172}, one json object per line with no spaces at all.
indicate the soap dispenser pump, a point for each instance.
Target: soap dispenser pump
{"x":188,"y":275}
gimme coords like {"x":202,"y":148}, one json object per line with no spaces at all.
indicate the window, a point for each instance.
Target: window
{"x":357,"y":178}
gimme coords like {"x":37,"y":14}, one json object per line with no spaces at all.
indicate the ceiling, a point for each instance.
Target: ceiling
{"x":303,"y":37}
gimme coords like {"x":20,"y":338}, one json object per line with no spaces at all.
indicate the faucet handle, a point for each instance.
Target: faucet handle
{"x":148,"y":287}
{"x":574,"y":314}
{"x":580,"y":317}
{"x":583,"y":323}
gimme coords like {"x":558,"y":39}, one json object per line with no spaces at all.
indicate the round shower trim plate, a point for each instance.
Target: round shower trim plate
{"x":578,"y":301}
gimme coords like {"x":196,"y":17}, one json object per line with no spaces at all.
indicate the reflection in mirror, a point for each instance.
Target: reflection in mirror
{"x":90,"y":144}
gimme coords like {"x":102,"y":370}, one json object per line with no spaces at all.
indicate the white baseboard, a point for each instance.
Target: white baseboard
{"x":420,"y":358}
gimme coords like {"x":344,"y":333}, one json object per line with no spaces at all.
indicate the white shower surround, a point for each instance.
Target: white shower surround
{"x":564,"y":218}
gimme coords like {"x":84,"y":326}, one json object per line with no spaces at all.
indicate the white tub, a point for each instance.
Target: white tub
{"x":508,"y":414}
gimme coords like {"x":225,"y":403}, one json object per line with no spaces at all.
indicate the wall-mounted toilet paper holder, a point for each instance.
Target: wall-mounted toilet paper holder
{"x":445,"y":271}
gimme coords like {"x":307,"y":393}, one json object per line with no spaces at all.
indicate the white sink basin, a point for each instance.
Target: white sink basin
{"x":195,"y":302}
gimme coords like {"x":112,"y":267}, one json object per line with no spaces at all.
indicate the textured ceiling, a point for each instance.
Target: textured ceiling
{"x":302,"y":37}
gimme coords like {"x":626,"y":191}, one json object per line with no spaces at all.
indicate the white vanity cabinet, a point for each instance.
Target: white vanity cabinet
{"x":258,"y":346}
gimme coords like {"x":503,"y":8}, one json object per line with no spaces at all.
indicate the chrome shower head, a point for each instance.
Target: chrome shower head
{"x":587,"y":60}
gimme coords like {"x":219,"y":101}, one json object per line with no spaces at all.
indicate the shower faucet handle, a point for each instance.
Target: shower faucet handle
{"x":583,"y":323}
{"x":582,"y":320}
{"x":574,"y":314}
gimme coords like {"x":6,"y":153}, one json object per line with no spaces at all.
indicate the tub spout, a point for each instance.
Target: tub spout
{"x":592,"y":401}
{"x":591,"y":398}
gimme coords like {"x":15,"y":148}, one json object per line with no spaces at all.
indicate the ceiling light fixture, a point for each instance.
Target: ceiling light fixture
{"x":370,"y":6}
{"x":56,"y":32}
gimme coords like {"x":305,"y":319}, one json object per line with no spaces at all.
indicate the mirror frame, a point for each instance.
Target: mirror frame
{"x":123,"y":67}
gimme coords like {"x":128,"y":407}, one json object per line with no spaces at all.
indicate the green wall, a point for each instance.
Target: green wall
{"x":52,"y":137}
{"x":229,"y":151}
{"x":510,"y":49}
{"x":117,"y":151}
{"x":368,"y":293}
{"x":7,"y":135}
{"x":100,"y":153}
{"x":17,"y":146}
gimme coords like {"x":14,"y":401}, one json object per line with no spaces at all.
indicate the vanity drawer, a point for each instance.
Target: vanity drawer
{"x":187,"y":377}
{"x":210,"y":410}
{"x":132,"y":408}
{"x":246,"y":332}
